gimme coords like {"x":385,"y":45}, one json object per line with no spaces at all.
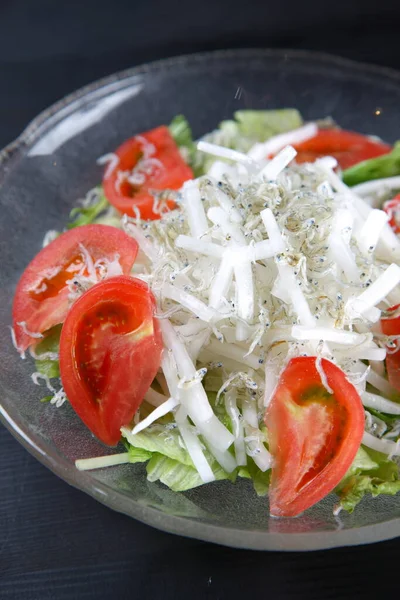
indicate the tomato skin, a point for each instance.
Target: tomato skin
{"x":313,"y":435}
{"x":391,"y":326}
{"x":391,"y":207}
{"x":348,"y":147}
{"x":39,"y":312}
{"x":110,"y":352}
{"x":172,"y":173}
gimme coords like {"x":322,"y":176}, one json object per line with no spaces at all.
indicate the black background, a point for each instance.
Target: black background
{"x":55,"y":542}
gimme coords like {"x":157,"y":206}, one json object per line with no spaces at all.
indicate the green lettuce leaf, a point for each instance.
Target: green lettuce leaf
{"x":51,"y":343}
{"x":371,"y":473}
{"x":138,"y":455}
{"x":374,"y":168}
{"x":180,"y":477}
{"x":259,"y":478}
{"x":180,"y":130}
{"x":252,"y":126}
{"x":84,"y":215}
{"x":259,"y":125}
{"x":182,"y":134}
{"x":161,"y":440}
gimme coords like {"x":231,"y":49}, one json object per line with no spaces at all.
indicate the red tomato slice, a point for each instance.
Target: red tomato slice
{"x":347,"y":147}
{"x":391,"y":326}
{"x":110,"y":352}
{"x":157,"y":165}
{"x":392,"y":208}
{"x":41,"y":298}
{"x":313,"y":435}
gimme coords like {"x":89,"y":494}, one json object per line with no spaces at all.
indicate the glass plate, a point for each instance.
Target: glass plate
{"x":54,"y":162}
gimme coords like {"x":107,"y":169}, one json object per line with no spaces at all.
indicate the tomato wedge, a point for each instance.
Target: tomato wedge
{"x":391,"y":326}
{"x":392,"y":208}
{"x":41,"y":298}
{"x":110,"y":352}
{"x":147,"y":162}
{"x":313,"y":435}
{"x":348,"y":147}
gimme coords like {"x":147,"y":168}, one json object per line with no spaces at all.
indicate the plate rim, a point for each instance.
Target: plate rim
{"x":238,"y":538}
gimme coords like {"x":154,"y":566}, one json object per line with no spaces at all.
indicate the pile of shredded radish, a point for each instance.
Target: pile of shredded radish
{"x":265,"y":260}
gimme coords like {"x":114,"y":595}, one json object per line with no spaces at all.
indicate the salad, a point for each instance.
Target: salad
{"x":231,"y":309}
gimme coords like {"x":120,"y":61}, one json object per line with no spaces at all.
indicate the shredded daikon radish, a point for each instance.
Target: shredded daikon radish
{"x":157,"y":413}
{"x":371,"y":230}
{"x":381,"y":404}
{"x":380,"y":445}
{"x":193,"y":446}
{"x":194,"y":209}
{"x":278,"y":163}
{"x":327,"y":334}
{"x":276,"y":143}
{"x":377,"y":291}
{"x":237,"y":424}
{"x":207,"y":248}
{"x":223,"y":152}
{"x":376,"y":186}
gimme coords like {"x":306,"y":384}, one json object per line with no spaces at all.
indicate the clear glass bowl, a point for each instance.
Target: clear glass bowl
{"x":54,"y":162}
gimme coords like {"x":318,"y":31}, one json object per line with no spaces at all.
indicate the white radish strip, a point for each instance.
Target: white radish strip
{"x":377,"y":291}
{"x":244,"y":291}
{"x":194,"y":209}
{"x":382,"y":404}
{"x":86,"y":464}
{"x":376,"y":186}
{"x":276,"y":143}
{"x":343,"y":256}
{"x":256,"y":449}
{"x":380,"y":383}
{"x":213,"y":431}
{"x":191,"y":328}
{"x":238,"y":429}
{"x":272,"y":370}
{"x":199,"y":246}
{"x":196,"y":344}
{"x":194,"y":398}
{"x":380,"y":445}
{"x":157,"y":413}
{"x":218,"y":169}
{"x":347,"y":338}
{"x":274,"y":234}
{"x":227,"y":363}
{"x":183,"y":361}
{"x":343,"y":223}
{"x":219,"y":217}
{"x":225,"y":459}
{"x":297,"y":299}
{"x":221,"y":282}
{"x":275,"y":166}
{"x":155,"y":398}
{"x":249,"y":412}
{"x":193,"y":447}
{"x":223,"y":152}
{"x":252,"y":253}
{"x":196,"y":306}
{"x":235,"y":353}
{"x":145,"y":244}
{"x":227,"y":205}
{"x":365,"y":353}
{"x":371,"y":230}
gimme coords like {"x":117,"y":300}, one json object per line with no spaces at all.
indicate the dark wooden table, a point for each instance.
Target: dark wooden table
{"x":56,"y":542}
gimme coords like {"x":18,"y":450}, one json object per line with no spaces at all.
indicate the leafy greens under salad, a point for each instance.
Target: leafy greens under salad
{"x":273,"y":287}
